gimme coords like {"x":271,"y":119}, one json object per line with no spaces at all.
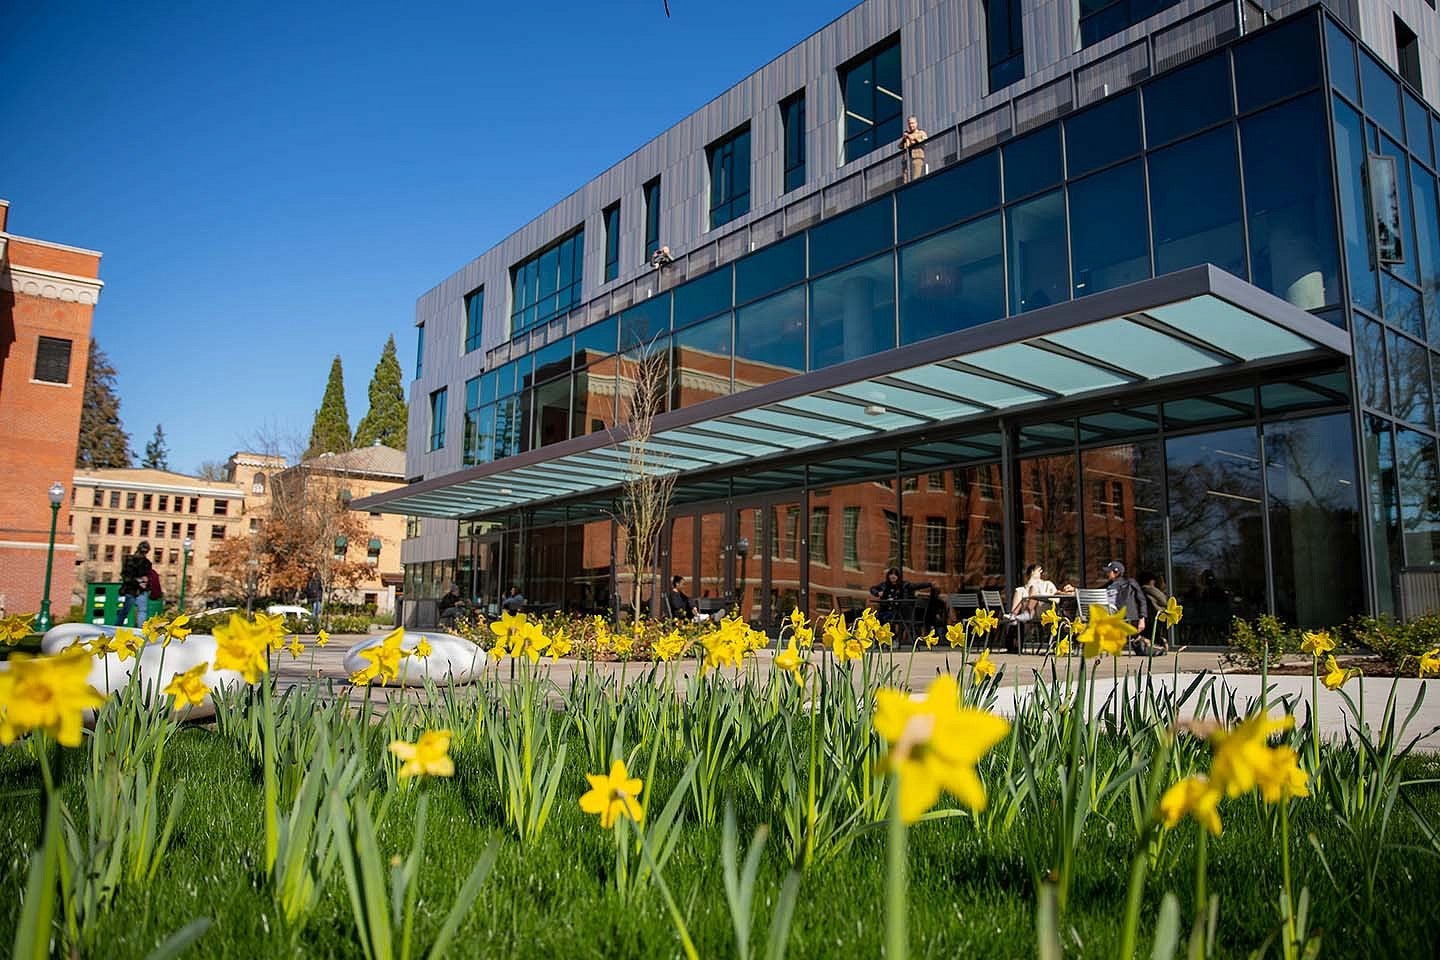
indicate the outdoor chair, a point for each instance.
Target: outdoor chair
{"x":962,"y":605}
{"x":1085,"y":598}
{"x":995,"y":603}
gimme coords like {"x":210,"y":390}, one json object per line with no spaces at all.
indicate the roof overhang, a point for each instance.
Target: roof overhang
{"x":1196,"y":323}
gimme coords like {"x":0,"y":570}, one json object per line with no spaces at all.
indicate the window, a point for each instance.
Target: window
{"x":1189,"y":233}
{"x":93,"y":551}
{"x":129,"y":501}
{"x":870,"y":87}
{"x":437,"y":419}
{"x":1407,"y":53}
{"x":254,"y":525}
{"x":994,"y":539}
{"x":110,"y":526}
{"x":174,"y":556}
{"x":820,"y":535}
{"x":935,"y":543}
{"x":114,"y":499}
{"x":652,"y":217}
{"x":935,"y":482}
{"x":412,"y":527}
{"x":194,"y":504}
{"x":419,"y":350}
{"x":174,"y":531}
{"x":852,"y":312}
{"x":341,"y":545}
{"x":179,"y":504}
{"x":474,"y":317}
{"x":1117,"y":498}
{"x":94,"y":524}
{"x":476,"y":447}
{"x":159,"y":556}
{"x":1004,"y":42}
{"x":109,"y":553}
{"x":1108,"y":232}
{"x":164,"y":502}
{"x":147,"y":501}
{"x":129,"y":528}
{"x":952,"y":280}
{"x":547,"y":284}
{"x":1105,"y":18}
{"x":217,"y":531}
{"x":611,"y":216}
{"x":52,"y":360}
{"x":190,"y":531}
{"x":792,"y":123}
{"x":1038,"y":273}
{"x":729,"y":163}
{"x":372,"y":550}
{"x":144,"y":528}
{"x":851,"y":534}
{"x":222,"y":507}
{"x":99,"y":497}
{"x":257,"y":486}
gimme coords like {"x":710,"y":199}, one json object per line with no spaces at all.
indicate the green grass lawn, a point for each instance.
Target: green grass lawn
{"x":971,"y":895}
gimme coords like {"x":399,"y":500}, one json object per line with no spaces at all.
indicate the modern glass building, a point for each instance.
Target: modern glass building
{"x":1169,"y":297}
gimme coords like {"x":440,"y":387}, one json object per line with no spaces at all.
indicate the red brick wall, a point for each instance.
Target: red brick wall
{"x":39,"y":428}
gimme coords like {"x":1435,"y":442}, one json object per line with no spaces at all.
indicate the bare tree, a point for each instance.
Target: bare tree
{"x":643,"y":384}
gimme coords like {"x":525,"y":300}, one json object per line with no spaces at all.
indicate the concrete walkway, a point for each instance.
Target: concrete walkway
{"x":1019,"y":676}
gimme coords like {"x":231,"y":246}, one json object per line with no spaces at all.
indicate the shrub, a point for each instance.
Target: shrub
{"x":348,"y":623}
{"x":1265,"y":640}
{"x":1398,"y":644}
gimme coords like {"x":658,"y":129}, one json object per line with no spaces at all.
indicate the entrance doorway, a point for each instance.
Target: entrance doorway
{"x":741,"y":557}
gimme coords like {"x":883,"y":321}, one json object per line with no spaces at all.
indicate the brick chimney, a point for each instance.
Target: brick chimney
{"x":4,"y":213}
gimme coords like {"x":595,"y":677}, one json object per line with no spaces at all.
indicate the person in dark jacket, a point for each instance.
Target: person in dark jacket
{"x":135,"y":584}
{"x":892,"y":592}
{"x":681,"y":606}
{"x":1131,"y":598}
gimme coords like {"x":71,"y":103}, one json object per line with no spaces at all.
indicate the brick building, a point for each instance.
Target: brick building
{"x":48,"y":292}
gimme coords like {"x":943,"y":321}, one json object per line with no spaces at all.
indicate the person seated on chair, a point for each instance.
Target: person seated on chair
{"x":892,"y":590}
{"x":1026,"y":603}
{"x":514,"y":601}
{"x":451,"y":606}
{"x":681,"y":606}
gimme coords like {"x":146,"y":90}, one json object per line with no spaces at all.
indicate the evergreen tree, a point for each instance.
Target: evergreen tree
{"x":331,"y":430}
{"x":103,"y":441}
{"x":157,"y":454}
{"x":387,"y":417}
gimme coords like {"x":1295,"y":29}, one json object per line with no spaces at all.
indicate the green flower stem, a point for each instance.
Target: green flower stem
{"x":1140,"y":862}
{"x":897,"y":938}
{"x":1315,"y":714}
{"x":1289,"y":918}
{"x":272,"y":787}
{"x":675,"y":916}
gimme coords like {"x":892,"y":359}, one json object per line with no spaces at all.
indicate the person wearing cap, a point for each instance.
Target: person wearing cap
{"x":1130,"y":598}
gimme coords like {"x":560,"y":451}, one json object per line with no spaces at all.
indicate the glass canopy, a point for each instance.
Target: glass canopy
{"x":1191,"y":323}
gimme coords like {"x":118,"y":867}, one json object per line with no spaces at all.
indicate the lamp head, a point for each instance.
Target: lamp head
{"x":57,"y":493}
{"x":188,"y":544}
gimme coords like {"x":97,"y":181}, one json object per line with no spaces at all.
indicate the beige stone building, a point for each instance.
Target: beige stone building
{"x":350,"y":476}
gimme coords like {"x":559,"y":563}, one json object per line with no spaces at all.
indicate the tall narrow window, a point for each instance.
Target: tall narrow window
{"x":612,"y":241}
{"x":729,"y":163}
{"x":474,"y":317}
{"x":870,"y":86}
{"x":792,"y":122}
{"x":1105,"y":18}
{"x":1005,"y":42}
{"x":52,"y":360}
{"x":419,"y":350}
{"x":1407,"y":54}
{"x":652,"y":217}
{"x":547,"y":284}
{"x":437,"y":419}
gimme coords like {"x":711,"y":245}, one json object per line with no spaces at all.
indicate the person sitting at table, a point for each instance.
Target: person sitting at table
{"x":681,"y":606}
{"x":1026,"y":603}
{"x":892,"y":590}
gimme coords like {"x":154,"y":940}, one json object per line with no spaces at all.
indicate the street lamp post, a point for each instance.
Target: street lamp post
{"x":57,"y":494}
{"x":188,"y":545}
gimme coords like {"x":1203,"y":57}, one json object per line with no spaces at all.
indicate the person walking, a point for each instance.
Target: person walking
{"x":135,"y":584}
{"x":1130,"y":598}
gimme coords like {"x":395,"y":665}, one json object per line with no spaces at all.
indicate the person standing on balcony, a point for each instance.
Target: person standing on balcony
{"x":910,"y":143}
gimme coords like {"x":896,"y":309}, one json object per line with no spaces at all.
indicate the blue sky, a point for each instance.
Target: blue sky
{"x":273,"y":184}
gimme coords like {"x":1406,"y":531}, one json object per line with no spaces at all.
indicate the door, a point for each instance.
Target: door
{"x":743,"y":558}
{"x":487,"y":578}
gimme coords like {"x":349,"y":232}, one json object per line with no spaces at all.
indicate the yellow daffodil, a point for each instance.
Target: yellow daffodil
{"x":935,"y":745}
{"x":384,"y":658}
{"x":361,"y":678}
{"x":427,"y":757}
{"x":670,"y":646}
{"x":241,"y":645}
{"x":153,"y":628}
{"x":984,"y":621}
{"x":797,"y":619}
{"x":955,"y":634}
{"x":1193,"y":796}
{"x":1316,"y":642}
{"x":984,"y":668}
{"x":1105,"y":632}
{"x":723,"y":648}
{"x":507,"y":624}
{"x":560,"y":645}
{"x":179,"y":628}
{"x":622,"y":642}
{"x":1062,"y":648}
{"x":322,"y":638}
{"x":788,"y":660}
{"x":1171,"y":614}
{"x":1051,"y":619}
{"x":1244,"y":760}
{"x":930,"y":639}
{"x":296,"y":648}
{"x":1430,"y":663}
{"x":15,"y":628}
{"x":837,"y":637}
{"x":47,"y":693}
{"x":613,"y":794}
{"x":536,"y":642}
{"x":123,"y":643}
{"x":189,"y":688}
{"x":272,"y":626}
{"x":602,"y":634}
{"x":884,"y":635}
{"x":867,"y":628}
{"x":1334,"y":678}
{"x":423,"y":648}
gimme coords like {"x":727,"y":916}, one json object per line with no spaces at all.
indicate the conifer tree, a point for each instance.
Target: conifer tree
{"x":103,"y":441}
{"x":331,"y":430}
{"x":157,"y":454}
{"x":387,"y":417}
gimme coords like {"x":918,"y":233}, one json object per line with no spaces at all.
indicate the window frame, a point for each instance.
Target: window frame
{"x":50,"y":364}
{"x":727,"y":161}
{"x":474,"y":319}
